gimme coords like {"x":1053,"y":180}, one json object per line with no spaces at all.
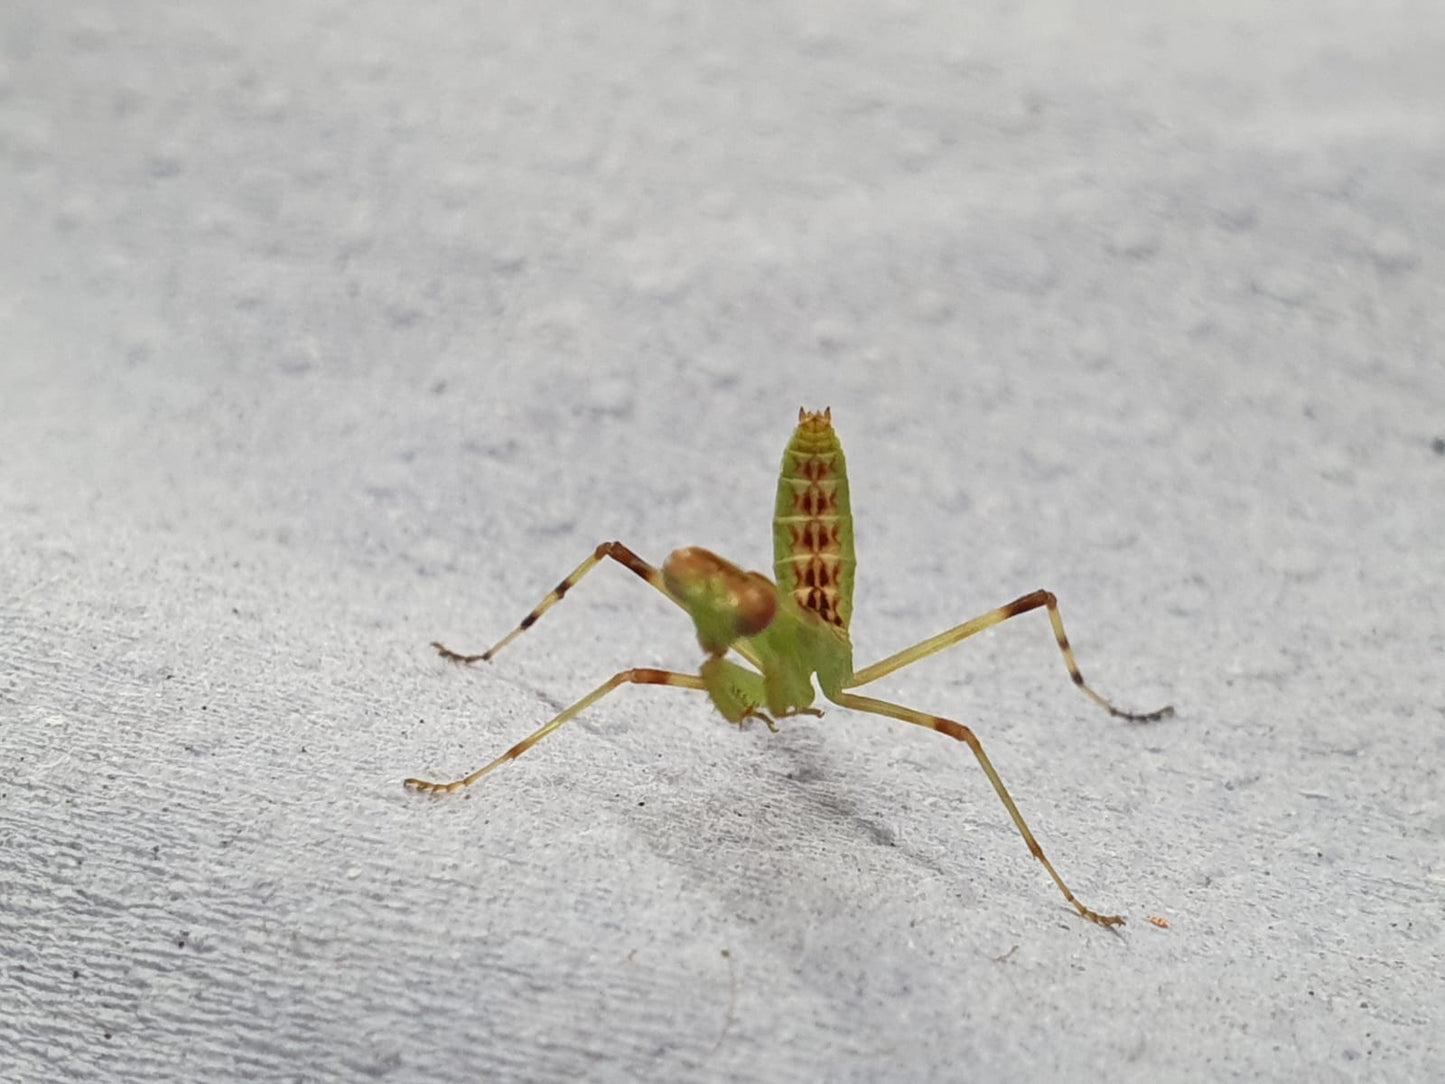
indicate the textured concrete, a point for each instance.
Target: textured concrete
{"x":327,"y":329}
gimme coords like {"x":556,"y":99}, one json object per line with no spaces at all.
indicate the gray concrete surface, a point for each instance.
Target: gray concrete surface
{"x":327,"y":329}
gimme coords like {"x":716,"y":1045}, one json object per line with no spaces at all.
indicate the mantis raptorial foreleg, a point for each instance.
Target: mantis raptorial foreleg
{"x":1032,"y":601}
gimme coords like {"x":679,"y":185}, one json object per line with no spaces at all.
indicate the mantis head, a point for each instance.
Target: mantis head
{"x":725,"y":603}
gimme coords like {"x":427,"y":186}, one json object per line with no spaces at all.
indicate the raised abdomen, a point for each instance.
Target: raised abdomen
{"x":813,"y":522}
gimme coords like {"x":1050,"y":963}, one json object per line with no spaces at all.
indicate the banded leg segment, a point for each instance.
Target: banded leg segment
{"x":1032,"y":601}
{"x":617,"y":552}
{"x":638,"y":676}
{"x":962,"y":733}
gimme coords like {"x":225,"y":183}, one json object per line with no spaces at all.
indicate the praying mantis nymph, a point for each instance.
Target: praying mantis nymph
{"x":792,"y":629}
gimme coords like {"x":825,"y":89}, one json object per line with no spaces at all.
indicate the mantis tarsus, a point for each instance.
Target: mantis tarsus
{"x":792,"y":629}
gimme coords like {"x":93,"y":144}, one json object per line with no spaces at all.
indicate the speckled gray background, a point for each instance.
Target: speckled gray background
{"x":327,"y":329}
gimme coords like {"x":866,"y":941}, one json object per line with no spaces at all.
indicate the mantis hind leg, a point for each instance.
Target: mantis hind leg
{"x":615,"y":550}
{"x":1021,"y":605}
{"x":962,"y":733}
{"x":636,"y":676}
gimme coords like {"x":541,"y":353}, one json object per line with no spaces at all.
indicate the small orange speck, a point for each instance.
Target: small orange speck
{"x":1162,"y":923}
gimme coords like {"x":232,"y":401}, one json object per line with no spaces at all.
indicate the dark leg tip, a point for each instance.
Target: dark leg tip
{"x":1145,"y":717}
{"x":452,"y":656}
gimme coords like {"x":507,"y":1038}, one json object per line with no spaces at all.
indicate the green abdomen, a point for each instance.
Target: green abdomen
{"x":813,"y":522}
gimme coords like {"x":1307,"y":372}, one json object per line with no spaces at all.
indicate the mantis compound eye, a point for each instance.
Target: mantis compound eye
{"x":755,"y":603}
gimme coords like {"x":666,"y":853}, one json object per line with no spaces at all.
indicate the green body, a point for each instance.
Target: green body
{"x":796,"y":627}
{"x":792,"y":629}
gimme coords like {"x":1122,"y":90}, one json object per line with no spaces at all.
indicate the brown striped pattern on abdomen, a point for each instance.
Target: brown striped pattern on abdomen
{"x":813,"y":522}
